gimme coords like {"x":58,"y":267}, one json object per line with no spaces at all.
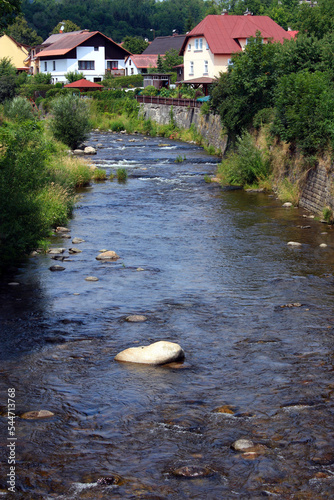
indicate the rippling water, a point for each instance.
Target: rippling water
{"x":216,"y":272}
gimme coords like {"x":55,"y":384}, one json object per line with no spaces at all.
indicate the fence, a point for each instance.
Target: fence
{"x":170,"y":101}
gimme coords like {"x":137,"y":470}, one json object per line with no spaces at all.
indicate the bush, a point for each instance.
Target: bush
{"x":19,"y":108}
{"x":121,"y":174}
{"x":70,"y":122}
{"x":246,"y":165}
{"x":73,"y":76}
{"x":150,"y":90}
{"x":32,"y":91}
{"x":8,"y":79}
{"x":42,"y":78}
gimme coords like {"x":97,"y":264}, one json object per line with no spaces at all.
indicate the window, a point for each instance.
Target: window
{"x":45,"y":66}
{"x":53,"y":65}
{"x":130,"y":62}
{"x":206,"y":67}
{"x":191,"y":68}
{"x":201,"y":44}
{"x":112,"y":64}
{"x":132,"y":71}
{"x":86,"y":65}
{"x":196,"y":43}
{"x":207,"y":46}
{"x":229,"y":62}
{"x":96,"y":49}
{"x":189,"y":46}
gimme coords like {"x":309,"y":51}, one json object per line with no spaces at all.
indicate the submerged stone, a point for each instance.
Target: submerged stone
{"x":159,"y":353}
{"x":91,"y":278}
{"x":76,"y":241}
{"x":34,"y":415}
{"x":56,"y":250}
{"x":57,"y":268}
{"x":74,"y":250}
{"x":242,"y":445}
{"x":294,"y":244}
{"x":136,"y":318}
{"x":192,"y":471}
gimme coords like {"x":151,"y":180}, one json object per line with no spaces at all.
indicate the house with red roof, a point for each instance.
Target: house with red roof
{"x":139,"y":63}
{"x":87,"y":52}
{"x":207,"y":49}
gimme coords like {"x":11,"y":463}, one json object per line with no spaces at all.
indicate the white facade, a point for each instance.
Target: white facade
{"x":131,"y":68}
{"x":90,"y":61}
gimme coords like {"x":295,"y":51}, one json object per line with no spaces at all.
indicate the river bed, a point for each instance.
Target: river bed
{"x":212,"y":271}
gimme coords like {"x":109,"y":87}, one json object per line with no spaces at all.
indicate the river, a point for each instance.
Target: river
{"x":212,"y":271}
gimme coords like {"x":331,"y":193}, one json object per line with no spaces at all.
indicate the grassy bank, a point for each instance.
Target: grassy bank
{"x":38,"y":181}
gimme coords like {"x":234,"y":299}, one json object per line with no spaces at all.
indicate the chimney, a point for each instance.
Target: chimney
{"x":224,"y":13}
{"x":248,"y":13}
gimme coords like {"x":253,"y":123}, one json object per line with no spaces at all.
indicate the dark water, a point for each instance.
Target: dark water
{"x":216,"y":271}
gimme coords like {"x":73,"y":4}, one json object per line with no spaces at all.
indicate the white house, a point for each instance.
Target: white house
{"x":208,"y":47}
{"x":139,"y":63}
{"x":87,"y":52}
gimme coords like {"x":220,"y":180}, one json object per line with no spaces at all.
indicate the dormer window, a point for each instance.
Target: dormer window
{"x":198,"y":43}
{"x":189,"y":46}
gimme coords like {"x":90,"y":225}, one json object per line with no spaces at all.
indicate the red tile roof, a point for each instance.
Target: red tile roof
{"x":222,"y":32}
{"x":144,"y":61}
{"x":83,"y":83}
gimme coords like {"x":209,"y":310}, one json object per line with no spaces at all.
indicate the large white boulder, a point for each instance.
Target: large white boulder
{"x":159,"y":353}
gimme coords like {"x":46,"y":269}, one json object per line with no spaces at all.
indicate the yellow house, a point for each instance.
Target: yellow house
{"x":17,"y":52}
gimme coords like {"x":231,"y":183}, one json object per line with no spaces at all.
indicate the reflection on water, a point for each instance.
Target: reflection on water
{"x":215,"y":274}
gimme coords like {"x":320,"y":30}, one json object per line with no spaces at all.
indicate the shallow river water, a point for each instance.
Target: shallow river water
{"x":215,"y":273}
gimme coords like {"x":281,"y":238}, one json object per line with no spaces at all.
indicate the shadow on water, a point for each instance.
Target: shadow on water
{"x":212,"y":271}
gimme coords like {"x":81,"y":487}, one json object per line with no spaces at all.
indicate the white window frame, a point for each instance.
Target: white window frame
{"x":196,"y":43}
{"x":191,"y":72}
{"x":84,"y":65}
{"x":206,"y":67}
{"x":189,"y":46}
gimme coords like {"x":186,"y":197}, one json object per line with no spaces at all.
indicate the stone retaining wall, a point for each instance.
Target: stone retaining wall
{"x":208,"y":126}
{"x":317,"y":192}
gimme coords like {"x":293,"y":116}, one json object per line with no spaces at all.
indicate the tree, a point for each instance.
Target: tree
{"x":8,"y":79}
{"x":135,"y":44}
{"x":160,"y":66}
{"x":70,"y":121}
{"x":73,"y":76}
{"x":65,"y":27}
{"x":8,"y":10}
{"x":22,"y":33}
{"x":171,"y":59}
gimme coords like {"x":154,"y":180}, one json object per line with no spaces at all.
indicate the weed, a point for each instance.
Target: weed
{"x":99,"y":174}
{"x":180,"y":159}
{"x":121,"y":174}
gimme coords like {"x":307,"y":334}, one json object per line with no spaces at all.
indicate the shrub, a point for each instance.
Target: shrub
{"x":246,"y":164}
{"x":8,"y":79}
{"x":44,"y":78}
{"x":99,"y":174}
{"x":73,"y":76}
{"x":70,"y":122}
{"x":205,"y":109}
{"x":121,"y":174}
{"x":150,"y":90}
{"x":327,"y":214}
{"x":19,"y":108}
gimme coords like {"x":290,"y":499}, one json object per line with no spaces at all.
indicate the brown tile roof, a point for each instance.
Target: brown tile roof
{"x":64,"y":42}
{"x":162,"y":44}
{"x":222,"y":32}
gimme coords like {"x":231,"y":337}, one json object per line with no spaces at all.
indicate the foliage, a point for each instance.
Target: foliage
{"x":8,"y":79}
{"x":99,"y":174}
{"x":205,"y":109}
{"x":121,"y":174}
{"x":247,"y":87}
{"x":246,"y":165}
{"x":305,"y":110}
{"x":135,"y":44}
{"x":327,"y":214}
{"x":120,"y":82}
{"x":73,"y":76}
{"x":42,"y":78}
{"x":8,"y":11}
{"x":65,"y":27}
{"x":150,"y":90}
{"x":160,"y":66}
{"x":70,"y":121}
{"x":22,"y":33}
{"x":19,"y":108}
{"x":34,"y":90}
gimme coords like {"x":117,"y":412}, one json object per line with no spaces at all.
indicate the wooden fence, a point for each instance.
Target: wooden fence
{"x":169,"y":101}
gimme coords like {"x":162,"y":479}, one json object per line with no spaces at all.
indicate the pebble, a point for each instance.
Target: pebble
{"x":89,"y":150}
{"x":294,"y":244}
{"x":74,"y":250}
{"x":33,"y":415}
{"x":140,"y":269}
{"x":242,"y":444}
{"x":158,"y":353}
{"x":66,"y":236}
{"x":13,"y":283}
{"x":323,"y":245}
{"x":287,"y":204}
{"x":108,"y":255}
{"x":76,"y":241}
{"x":91,"y":278}
{"x":61,"y":229}
{"x":56,"y":250}
{"x":192,"y":471}
{"x":227,"y":409}
{"x":57,"y":268}
{"x":136,"y":318}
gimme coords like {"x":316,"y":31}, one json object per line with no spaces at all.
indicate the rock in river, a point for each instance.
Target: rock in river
{"x":92,"y":278}
{"x":109,"y":255}
{"x":74,"y":250}
{"x":192,"y":471}
{"x":158,"y":353}
{"x":76,"y":241}
{"x":57,"y":268}
{"x":33,"y":415}
{"x":136,"y":318}
{"x":56,"y":250}
{"x":294,"y":244}
{"x":89,"y":150}
{"x":242,"y":445}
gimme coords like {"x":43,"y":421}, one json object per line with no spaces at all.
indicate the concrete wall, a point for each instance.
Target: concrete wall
{"x":208,"y":126}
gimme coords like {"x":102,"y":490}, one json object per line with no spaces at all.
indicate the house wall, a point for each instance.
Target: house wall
{"x":216,"y":63}
{"x":129,"y":66}
{"x":8,"y":48}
